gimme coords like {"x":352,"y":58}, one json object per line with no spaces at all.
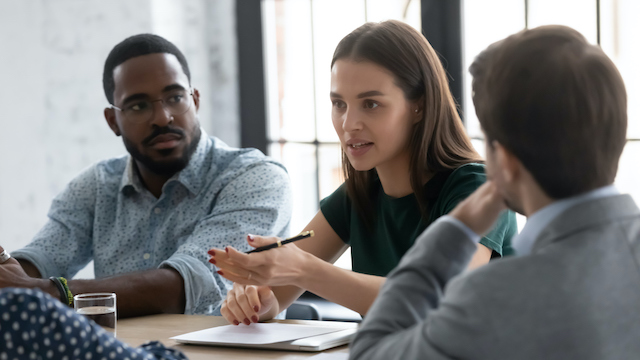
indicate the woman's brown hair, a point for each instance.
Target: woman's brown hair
{"x":439,"y":141}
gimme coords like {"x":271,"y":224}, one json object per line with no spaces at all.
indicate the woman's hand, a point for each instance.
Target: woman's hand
{"x":285,"y":265}
{"x":249,"y":303}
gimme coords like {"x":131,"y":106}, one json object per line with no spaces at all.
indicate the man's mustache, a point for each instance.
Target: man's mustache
{"x":161,"y":131}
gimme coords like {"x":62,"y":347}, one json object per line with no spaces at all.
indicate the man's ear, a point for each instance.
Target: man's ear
{"x":507,"y":163}
{"x":110,"y":116}
{"x":196,"y":98}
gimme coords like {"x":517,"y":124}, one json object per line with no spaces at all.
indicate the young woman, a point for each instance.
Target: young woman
{"x":407,"y":161}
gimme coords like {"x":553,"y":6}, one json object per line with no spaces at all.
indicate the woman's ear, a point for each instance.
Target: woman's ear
{"x":417,"y":111}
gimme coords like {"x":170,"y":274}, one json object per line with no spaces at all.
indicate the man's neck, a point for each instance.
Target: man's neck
{"x":531,"y":196}
{"x":536,"y":202}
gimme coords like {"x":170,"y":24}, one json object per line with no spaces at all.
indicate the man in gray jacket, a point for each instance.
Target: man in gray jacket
{"x":553,"y":109}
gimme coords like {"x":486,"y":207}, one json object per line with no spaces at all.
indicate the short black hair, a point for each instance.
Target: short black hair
{"x":134,"y":46}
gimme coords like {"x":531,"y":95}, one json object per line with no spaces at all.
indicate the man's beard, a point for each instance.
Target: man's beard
{"x":170,"y":167}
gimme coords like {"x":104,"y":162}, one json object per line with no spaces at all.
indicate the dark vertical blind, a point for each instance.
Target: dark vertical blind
{"x":442,"y":26}
{"x":253,"y":115}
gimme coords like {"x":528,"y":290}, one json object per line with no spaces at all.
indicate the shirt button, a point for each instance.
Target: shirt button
{"x":157,"y":210}
{"x":146,"y":256}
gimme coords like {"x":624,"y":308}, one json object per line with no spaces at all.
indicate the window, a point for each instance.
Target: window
{"x":611,"y":23}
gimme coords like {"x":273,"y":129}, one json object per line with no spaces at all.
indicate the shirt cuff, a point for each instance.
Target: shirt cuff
{"x":45,"y":266}
{"x":475,"y":238}
{"x":202,"y":292}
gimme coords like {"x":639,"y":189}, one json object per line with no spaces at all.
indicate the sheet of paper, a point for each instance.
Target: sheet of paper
{"x":333,"y":356}
{"x":261,"y":333}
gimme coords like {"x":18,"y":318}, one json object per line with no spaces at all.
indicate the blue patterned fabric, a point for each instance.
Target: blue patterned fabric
{"x":107,"y":215}
{"x":33,"y":325}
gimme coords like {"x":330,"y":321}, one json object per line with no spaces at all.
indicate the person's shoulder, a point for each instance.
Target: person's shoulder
{"x":469,"y":171}
{"x":246,"y":165}
{"x":113,"y":166}
{"x":104,"y":170}
{"x":464,"y":179}
{"x":339,"y":195}
{"x":105,"y":175}
{"x":238,"y":159}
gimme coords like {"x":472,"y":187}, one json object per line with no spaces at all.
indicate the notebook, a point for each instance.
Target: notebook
{"x":298,"y":337}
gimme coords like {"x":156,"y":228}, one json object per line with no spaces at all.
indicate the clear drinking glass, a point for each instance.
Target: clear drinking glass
{"x":99,"y":307}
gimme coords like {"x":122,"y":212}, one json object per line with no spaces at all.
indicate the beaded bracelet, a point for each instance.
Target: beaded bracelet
{"x":65,"y":284}
{"x":66,"y":297}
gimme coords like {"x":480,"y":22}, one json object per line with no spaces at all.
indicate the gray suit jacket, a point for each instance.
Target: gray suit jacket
{"x":577,"y":296}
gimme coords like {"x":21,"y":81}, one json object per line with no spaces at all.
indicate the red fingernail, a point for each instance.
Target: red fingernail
{"x":235,"y":322}
{"x":256,"y":308}
{"x":219,"y":272}
{"x":247,"y":322}
{"x":226,"y":249}
{"x":250,"y":237}
{"x":254,"y":319}
{"x":213,"y":261}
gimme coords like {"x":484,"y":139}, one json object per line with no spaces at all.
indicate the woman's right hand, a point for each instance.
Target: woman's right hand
{"x":281,"y":266}
{"x":249,"y":303}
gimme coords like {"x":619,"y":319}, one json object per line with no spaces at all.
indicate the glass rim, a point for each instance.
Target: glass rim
{"x":152,"y":109}
{"x":94,"y":296}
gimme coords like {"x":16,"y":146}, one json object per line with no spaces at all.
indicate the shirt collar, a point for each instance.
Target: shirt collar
{"x":523,"y":242}
{"x":130,"y":179}
{"x":191,"y":177}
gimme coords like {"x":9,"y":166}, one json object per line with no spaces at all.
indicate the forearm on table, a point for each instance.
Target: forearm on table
{"x":348,"y":288}
{"x":140,"y":293}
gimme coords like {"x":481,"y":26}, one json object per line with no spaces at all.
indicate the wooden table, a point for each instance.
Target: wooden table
{"x":136,"y":331}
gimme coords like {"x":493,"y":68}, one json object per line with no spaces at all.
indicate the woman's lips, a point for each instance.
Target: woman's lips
{"x":359,"y":148}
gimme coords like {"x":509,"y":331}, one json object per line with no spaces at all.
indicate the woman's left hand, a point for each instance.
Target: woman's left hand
{"x":280,"y":266}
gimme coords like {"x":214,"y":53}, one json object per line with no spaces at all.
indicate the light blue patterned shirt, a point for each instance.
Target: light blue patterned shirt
{"x":107,"y":215}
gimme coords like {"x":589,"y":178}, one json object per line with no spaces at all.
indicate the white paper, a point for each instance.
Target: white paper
{"x":255,"y":334}
{"x":333,"y":356}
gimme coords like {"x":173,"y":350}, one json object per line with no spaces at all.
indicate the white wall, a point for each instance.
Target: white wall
{"x":51,"y":97}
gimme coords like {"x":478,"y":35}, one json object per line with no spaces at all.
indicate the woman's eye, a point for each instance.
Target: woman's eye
{"x":369,"y":104}
{"x":338,"y":104}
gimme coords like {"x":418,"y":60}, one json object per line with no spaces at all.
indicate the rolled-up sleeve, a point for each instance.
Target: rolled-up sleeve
{"x":256,"y":201}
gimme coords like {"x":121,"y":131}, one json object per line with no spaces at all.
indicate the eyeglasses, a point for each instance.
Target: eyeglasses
{"x":176,"y":102}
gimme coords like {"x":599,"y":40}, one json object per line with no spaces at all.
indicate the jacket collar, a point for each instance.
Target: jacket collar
{"x":585,"y":215}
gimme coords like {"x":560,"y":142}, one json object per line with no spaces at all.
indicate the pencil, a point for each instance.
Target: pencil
{"x":279,"y":243}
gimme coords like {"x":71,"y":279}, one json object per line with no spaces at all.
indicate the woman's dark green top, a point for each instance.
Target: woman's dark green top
{"x":398,"y":221}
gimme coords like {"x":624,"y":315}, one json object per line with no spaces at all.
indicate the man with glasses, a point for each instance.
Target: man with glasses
{"x":147,"y":219}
